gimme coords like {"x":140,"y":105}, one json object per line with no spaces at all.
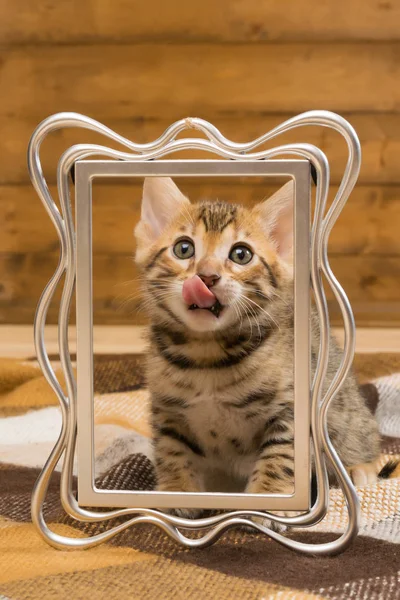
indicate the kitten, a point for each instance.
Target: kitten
{"x":218,"y":285}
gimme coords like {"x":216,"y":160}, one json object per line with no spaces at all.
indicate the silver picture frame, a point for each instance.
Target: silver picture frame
{"x":311,"y":265}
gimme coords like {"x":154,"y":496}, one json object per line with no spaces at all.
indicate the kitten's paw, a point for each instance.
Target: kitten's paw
{"x":273,"y":525}
{"x":186,"y":513}
{"x":364,"y":474}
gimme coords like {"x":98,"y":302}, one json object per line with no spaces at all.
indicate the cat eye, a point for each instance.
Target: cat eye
{"x":241,"y":255}
{"x":184,"y":249}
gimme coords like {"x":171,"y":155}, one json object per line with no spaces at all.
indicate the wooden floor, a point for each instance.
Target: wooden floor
{"x":17,"y":340}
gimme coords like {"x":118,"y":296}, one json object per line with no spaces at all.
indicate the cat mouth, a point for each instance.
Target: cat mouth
{"x":198,"y":296}
{"x":215,"y":309}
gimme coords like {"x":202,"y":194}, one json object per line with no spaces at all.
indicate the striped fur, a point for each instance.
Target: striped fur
{"x":222,"y":390}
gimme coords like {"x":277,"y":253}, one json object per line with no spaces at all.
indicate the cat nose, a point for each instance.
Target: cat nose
{"x":209,"y":280}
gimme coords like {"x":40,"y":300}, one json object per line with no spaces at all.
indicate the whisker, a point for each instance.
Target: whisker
{"x":241,"y":303}
{"x":280,"y":297}
{"x":238,"y":315}
{"x":266,"y":296}
{"x":254,"y":314}
{"x":263,"y":310}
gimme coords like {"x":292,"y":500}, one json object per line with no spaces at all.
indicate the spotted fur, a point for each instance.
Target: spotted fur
{"x":222,"y":389}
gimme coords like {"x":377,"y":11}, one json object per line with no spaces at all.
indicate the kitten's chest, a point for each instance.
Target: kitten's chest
{"x":220,"y":427}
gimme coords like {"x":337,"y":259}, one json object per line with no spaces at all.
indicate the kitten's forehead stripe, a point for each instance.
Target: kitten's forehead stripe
{"x":155,"y":258}
{"x":216,"y":216}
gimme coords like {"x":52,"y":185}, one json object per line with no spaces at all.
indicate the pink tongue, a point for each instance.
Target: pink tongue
{"x":196,"y":292}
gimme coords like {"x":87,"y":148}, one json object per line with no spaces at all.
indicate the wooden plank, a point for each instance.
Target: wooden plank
{"x":379,"y":135}
{"x":16,"y":341}
{"x":371,"y":282}
{"x":23,"y":277}
{"x":374,"y":340}
{"x":26,"y":227}
{"x":378,"y":314}
{"x":201,"y":79}
{"x":72,"y":21}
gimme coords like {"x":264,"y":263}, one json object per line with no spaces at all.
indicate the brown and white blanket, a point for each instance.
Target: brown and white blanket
{"x":142,"y":562}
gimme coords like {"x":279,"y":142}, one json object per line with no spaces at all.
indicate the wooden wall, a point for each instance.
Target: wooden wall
{"x":246,"y":65}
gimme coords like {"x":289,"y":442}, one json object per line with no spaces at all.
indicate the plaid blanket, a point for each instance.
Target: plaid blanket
{"x":142,"y":562}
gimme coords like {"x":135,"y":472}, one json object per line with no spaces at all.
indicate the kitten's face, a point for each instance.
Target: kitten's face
{"x":210,"y":265}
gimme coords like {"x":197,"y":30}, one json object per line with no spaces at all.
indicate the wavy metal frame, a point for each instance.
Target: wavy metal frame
{"x":215,"y":143}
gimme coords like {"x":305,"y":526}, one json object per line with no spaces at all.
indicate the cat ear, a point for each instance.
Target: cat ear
{"x":276,"y":214}
{"x":162,"y":201}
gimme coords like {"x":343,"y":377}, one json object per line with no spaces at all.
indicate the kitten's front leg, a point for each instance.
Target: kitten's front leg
{"x":273,"y":471}
{"x":176,"y":460}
